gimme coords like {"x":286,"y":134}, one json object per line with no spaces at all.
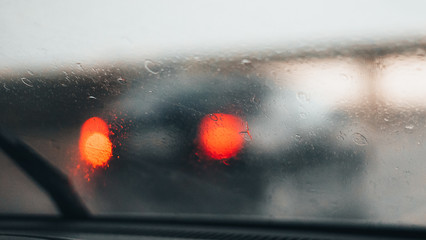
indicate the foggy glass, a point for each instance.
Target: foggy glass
{"x":330,"y":128}
{"x":336,"y":136}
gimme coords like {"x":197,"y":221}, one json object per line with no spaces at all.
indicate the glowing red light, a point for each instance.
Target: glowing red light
{"x":219,"y":136}
{"x":95,"y":145}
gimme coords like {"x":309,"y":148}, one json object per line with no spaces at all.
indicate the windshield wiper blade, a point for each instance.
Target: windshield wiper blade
{"x":54,"y":182}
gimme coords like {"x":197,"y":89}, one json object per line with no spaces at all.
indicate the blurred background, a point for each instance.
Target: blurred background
{"x":332,"y":96}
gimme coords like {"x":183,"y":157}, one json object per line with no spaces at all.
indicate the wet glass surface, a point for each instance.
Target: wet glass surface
{"x":306,"y":137}
{"x":287,"y":131}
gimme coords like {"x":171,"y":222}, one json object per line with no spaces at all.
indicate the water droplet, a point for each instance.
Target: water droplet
{"x":30,"y":72}
{"x":303,"y":115}
{"x":246,"y":135}
{"x":381,"y":65}
{"x":4,"y":86}
{"x":226,"y":162}
{"x":302,"y":97}
{"x":341,"y":136}
{"x":359,"y":139}
{"x":345,"y":77}
{"x":27,"y":82}
{"x":149,"y":66}
{"x":386,"y":119}
{"x":213,"y":117}
{"x":92,"y":97}
{"x":409,"y":127}
{"x":80,"y":66}
{"x":297,"y":137}
{"x":121,"y":80}
{"x":245,"y":62}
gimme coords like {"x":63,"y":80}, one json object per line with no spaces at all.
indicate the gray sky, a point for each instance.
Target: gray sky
{"x":42,"y":33}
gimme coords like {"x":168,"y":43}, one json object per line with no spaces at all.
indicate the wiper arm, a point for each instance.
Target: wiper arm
{"x":48,"y":177}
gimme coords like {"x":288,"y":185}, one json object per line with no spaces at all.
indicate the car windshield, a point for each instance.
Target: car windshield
{"x":298,"y":110}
